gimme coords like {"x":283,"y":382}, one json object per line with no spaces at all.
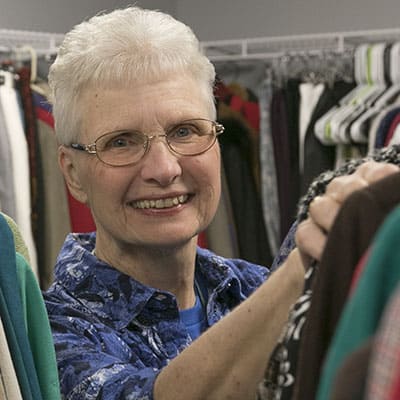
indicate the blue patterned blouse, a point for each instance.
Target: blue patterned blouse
{"x":112,"y":334}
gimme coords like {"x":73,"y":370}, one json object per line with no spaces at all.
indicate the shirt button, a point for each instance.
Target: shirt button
{"x":161,"y":297}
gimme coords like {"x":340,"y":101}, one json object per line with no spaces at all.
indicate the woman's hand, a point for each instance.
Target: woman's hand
{"x":312,"y":233}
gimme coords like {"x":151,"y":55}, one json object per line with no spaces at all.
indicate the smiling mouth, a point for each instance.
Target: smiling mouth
{"x":161,"y":203}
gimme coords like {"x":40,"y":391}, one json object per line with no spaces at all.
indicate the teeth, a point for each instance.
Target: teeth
{"x":161,"y":203}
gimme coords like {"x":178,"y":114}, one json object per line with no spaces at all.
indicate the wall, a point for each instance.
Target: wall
{"x":232,"y":19}
{"x":61,"y":15}
{"x":216,"y":19}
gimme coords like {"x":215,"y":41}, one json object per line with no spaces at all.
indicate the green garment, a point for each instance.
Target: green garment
{"x":362,"y":313}
{"x":38,"y":330}
{"x":35,"y":318}
{"x":19,"y":243}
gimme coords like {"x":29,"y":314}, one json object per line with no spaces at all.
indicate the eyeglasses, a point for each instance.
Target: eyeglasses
{"x":188,"y":138}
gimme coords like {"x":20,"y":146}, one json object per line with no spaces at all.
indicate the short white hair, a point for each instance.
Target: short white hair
{"x":125,"y":46}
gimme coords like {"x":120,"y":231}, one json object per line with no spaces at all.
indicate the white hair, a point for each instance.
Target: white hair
{"x":125,"y":46}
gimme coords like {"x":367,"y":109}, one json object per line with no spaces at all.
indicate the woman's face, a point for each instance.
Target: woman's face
{"x":117,"y":195}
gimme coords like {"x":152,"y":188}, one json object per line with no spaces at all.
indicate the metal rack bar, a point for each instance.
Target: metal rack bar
{"x":272,"y":47}
{"x":225,"y":50}
{"x":45,"y":43}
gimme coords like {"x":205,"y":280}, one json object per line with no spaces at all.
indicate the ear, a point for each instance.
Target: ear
{"x":68,"y":165}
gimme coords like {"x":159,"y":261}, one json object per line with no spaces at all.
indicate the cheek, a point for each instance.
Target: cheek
{"x":103,"y":183}
{"x":209,"y":172}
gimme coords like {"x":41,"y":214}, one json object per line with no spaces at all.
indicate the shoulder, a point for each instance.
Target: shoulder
{"x":218,"y":269}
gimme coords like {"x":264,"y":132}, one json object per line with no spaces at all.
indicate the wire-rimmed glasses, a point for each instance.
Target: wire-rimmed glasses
{"x":188,"y":138}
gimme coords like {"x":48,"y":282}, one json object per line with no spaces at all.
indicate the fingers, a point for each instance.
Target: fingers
{"x":323,"y":209}
{"x":310,"y":240}
{"x":341,"y":187}
{"x":311,"y":234}
{"x":371,"y":171}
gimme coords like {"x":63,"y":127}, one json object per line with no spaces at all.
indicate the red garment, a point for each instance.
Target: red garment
{"x":392,"y":129}
{"x":31,"y":137}
{"x":358,"y":270}
{"x":250,"y":110}
{"x":202,"y":240}
{"x":395,"y":389}
{"x":80,"y":215}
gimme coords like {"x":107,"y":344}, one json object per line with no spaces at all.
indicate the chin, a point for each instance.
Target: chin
{"x":172,"y":240}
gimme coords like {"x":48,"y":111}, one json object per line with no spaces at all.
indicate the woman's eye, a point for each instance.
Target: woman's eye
{"x":183,"y":132}
{"x":119,"y":142}
{"x":125,"y":140}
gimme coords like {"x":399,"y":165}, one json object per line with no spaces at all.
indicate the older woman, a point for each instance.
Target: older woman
{"x":135,"y":118}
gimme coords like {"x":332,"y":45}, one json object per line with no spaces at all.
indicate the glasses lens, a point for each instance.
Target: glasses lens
{"x":121,"y":148}
{"x":192,"y":137}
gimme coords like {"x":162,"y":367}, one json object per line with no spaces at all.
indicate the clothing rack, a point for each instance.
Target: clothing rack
{"x":44,"y":43}
{"x":264,"y":48}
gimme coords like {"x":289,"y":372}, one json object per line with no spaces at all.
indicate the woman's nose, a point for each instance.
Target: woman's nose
{"x":159,"y":163}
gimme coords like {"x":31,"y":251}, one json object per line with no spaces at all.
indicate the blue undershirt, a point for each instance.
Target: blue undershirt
{"x":195,"y":318}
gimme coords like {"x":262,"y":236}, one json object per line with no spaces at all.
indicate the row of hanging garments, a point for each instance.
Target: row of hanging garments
{"x":296,"y":116}
{"x":28,"y":368}
{"x":341,"y":338}
{"x":32,"y":189}
{"x":270,"y":117}
{"x":368,"y":114}
{"x":238,"y":110}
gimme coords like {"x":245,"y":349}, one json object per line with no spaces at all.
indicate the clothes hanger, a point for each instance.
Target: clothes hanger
{"x":355,"y":128}
{"x":19,"y":51}
{"x":390,"y":91}
{"x":327,"y":126}
{"x":369,"y":76}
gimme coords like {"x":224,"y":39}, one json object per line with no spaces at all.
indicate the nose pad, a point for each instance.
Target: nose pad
{"x":150,"y":140}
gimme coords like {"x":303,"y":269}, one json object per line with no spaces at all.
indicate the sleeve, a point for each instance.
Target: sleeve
{"x":94,"y":363}
{"x":287,"y":246}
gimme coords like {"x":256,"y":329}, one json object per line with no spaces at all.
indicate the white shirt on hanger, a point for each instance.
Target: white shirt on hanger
{"x":20,"y":163}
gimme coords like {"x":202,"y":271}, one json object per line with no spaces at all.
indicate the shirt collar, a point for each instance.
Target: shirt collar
{"x":117,"y":298}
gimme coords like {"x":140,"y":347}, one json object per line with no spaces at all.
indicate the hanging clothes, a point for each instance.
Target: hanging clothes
{"x":280,"y":136}
{"x":8,"y":379}
{"x":54,"y":221}
{"x":221,"y":233}
{"x":351,"y":379}
{"x":19,"y":156}
{"x":252,"y":239}
{"x":12,"y":317}
{"x":384,"y":363}
{"x":7,"y":190}
{"x":240,"y":117}
{"x":268,"y":178}
{"x":317,"y":157}
{"x":282,"y":372}
{"x":362,"y":313}
{"x":351,"y":234}
{"x":310,"y":94}
{"x":80,"y":216}
{"x":28,"y":330}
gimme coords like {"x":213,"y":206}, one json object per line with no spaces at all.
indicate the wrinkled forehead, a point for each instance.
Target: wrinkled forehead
{"x":201,"y":89}
{"x":142,"y":106}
